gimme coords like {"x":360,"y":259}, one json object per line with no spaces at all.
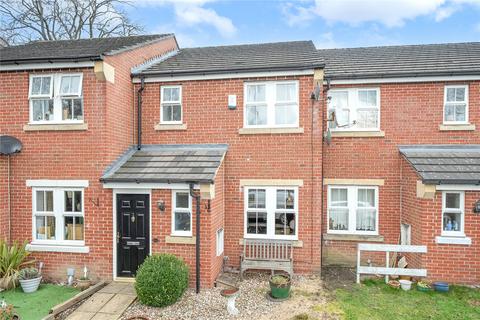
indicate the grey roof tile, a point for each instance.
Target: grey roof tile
{"x":402,"y":61}
{"x":445,"y":164}
{"x":167,"y":164}
{"x":73,"y":50}
{"x":238,"y":58}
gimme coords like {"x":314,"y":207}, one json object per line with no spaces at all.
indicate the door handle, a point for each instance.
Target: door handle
{"x":118,"y":237}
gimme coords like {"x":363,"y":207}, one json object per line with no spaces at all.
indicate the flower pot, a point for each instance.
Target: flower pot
{"x":83,"y":284}
{"x":30,"y":285}
{"x":441,"y":286}
{"x":405,"y":284}
{"x":424,"y":289}
{"x":280,"y":291}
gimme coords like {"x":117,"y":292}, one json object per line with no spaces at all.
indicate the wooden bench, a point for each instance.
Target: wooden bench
{"x":267,"y":255}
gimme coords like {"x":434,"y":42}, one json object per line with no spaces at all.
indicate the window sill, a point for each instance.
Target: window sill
{"x":166,"y":127}
{"x":180,"y":239}
{"x":353,"y":237}
{"x":270,"y":130}
{"x":457,"y":127}
{"x":453,"y":240}
{"x":357,"y":134}
{"x":56,"y":127}
{"x":56,"y":248}
{"x":295,"y":243}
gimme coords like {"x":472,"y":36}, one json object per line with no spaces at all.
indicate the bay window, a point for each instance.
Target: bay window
{"x":455,"y":105}
{"x":354,"y":109}
{"x":271,"y":104}
{"x":181,"y":213}
{"x":171,"y":105}
{"x":353,"y":209}
{"x":271,"y":212}
{"x":453,"y":211}
{"x":56,"y":98}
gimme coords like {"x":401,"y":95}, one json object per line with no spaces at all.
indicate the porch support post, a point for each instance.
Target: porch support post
{"x":197,"y":239}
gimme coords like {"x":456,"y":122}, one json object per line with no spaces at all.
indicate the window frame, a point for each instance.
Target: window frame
{"x":353,"y":107}
{"x":175,"y":209}
{"x":271,"y":103}
{"x":56,"y":97}
{"x":59,"y":214}
{"x":271,"y":209}
{"x":460,"y":233}
{"x":352,"y":205}
{"x":464,"y":86}
{"x":179,"y":102}
{"x":220,"y":236}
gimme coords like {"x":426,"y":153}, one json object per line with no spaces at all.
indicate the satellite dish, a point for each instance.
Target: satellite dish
{"x":9,"y":145}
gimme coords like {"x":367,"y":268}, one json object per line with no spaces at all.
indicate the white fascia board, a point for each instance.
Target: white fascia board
{"x":225,"y":76}
{"x":404,"y":80}
{"x":133,"y":185}
{"x":54,"y":65}
{"x":58,"y":183}
{"x":458,"y":187}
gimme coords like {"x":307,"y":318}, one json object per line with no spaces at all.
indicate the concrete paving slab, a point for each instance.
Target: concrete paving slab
{"x":95,"y":302}
{"x":114,"y":287}
{"x":80,"y":315}
{"x":129,"y":290}
{"x":117,"y":304}
{"x":105,"y":316}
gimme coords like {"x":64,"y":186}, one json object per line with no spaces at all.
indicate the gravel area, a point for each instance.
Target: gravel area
{"x":305,"y":303}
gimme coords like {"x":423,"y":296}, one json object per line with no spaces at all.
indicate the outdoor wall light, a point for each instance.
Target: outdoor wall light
{"x":161,"y":205}
{"x":476,"y":208}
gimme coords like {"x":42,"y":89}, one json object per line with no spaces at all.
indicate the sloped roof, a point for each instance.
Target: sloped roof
{"x":402,"y":61}
{"x":196,"y":163}
{"x":293,"y":55}
{"x":445,"y":164}
{"x":73,"y":50}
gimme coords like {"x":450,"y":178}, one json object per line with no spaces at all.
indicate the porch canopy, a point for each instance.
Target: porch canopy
{"x":445,"y":164}
{"x":174,"y":163}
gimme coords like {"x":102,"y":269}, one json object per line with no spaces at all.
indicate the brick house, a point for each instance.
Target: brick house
{"x":279,"y":141}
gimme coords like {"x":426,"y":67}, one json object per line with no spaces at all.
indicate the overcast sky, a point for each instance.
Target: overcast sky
{"x":329,"y":23}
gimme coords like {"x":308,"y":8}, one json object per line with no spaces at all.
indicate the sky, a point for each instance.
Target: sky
{"x":328,"y":23}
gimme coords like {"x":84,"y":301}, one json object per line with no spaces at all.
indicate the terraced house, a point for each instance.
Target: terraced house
{"x":132,"y":146}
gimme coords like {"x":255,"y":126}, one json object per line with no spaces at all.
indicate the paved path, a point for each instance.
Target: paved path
{"x":106,"y":304}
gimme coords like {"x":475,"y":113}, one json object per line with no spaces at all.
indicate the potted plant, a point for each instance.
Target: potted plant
{"x":29,"y":279}
{"x":424,"y":286}
{"x":280,"y":286}
{"x":84,"y":283}
{"x":12,"y":259}
{"x":7,"y":312}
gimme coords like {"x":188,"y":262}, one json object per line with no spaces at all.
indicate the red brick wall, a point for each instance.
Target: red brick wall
{"x":410,"y":114}
{"x":258,"y":156}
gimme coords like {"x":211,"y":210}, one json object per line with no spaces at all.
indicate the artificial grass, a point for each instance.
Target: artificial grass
{"x":375,"y":300}
{"x":35,"y":306}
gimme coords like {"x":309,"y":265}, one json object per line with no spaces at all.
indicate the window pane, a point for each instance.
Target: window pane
{"x":284,"y":223}
{"x":286,"y":114}
{"x":452,"y":200}
{"x":171,"y":94}
{"x":286,"y":92}
{"x":78,"y":201}
{"x":460,"y":112}
{"x":449,"y":112}
{"x":452,"y":221}
{"x":69,"y":201}
{"x":36,"y":85}
{"x":338,"y":197}
{"x":77,"y":109}
{"x":256,"y":198}
{"x":46,"y":83}
{"x":67,"y":111}
{"x":65,"y":85}
{"x":176,"y":113}
{"x":45,"y":228}
{"x":367,"y":98}
{"x":367,"y":119}
{"x":285,"y":199}
{"x":49,"y":201}
{"x":73,"y":228}
{"x":75,"y":84}
{"x":366,"y":219}
{"x":167,"y":113}
{"x":44,"y":201}
{"x":339,"y":99}
{"x":460,"y":94}
{"x":256,"y":93}
{"x":257,"y":222}
{"x":42,"y":109}
{"x":450,"y":94}
{"x":256,"y":115}
{"x":181,"y":200}
{"x":338,"y":219}
{"x":182,"y":221}
{"x":366,"y":198}
{"x":40,"y":200}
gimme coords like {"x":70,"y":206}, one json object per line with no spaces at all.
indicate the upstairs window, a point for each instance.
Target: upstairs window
{"x":171,"y":105}
{"x":354,"y":109}
{"x":453,"y":208}
{"x":456,"y":105}
{"x":271,"y":104}
{"x":56,"y":98}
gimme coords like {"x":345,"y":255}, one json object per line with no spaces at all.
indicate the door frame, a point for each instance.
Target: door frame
{"x":114,"y":235}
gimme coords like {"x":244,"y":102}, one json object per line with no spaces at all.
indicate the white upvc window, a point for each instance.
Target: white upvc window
{"x":455,"y":109}
{"x":56,"y":98}
{"x":271,"y":104}
{"x":171,"y":105}
{"x":353,"y":209}
{"x":271,"y":212}
{"x":355,"y":109}
{"x":181,"y":213}
{"x":220,"y":241}
{"x":58,"y":216}
{"x":453,"y":213}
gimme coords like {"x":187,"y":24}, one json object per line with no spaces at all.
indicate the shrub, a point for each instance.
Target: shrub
{"x":12,"y":259}
{"x":28,"y":273}
{"x":161,"y":280}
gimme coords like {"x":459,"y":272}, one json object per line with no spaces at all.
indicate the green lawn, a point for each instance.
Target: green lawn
{"x":375,"y":300}
{"x":34,"y":306}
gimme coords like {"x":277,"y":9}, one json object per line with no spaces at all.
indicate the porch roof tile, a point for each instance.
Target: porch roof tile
{"x":186,"y":163}
{"x":445,"y":164}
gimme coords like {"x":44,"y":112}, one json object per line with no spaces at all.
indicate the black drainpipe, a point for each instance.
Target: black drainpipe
{"x":197,"y":238}
{"x":139,"y":111}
